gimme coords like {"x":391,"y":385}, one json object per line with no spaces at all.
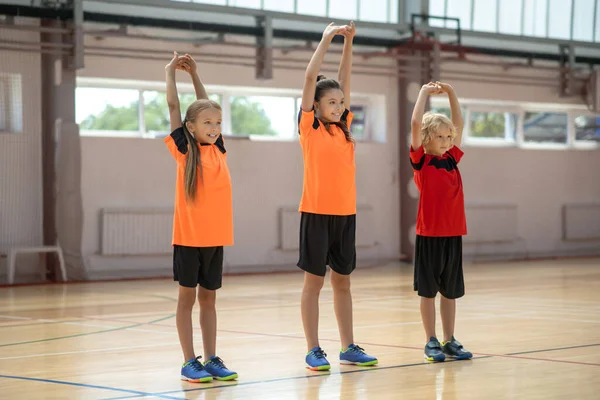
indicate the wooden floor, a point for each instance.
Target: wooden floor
{"x":534,"y":329}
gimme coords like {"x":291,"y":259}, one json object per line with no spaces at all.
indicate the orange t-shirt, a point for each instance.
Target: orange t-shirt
{"x":208,"y":220}
{"x":329,"y":169}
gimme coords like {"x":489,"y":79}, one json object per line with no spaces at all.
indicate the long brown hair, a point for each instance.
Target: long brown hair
{"x":193,"y":164}
{"x":324,"y":84}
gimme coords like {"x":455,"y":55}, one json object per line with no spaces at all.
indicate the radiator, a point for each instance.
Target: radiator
{"x":136,"y":231}
{"x":581,"y":221}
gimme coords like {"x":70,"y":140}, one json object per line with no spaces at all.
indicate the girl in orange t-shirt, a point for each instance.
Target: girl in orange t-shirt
{"x":328,"y":204}
{"x":203,"y":219}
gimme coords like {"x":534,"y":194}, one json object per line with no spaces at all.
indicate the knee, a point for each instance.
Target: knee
{"x":186,"y":299}
{"x":340,"y":283}
{"x":313,"y":284}
{"x":207,"y":298}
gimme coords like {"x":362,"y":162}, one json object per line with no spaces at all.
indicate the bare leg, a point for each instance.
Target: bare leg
{"x":185,"y":304}
{"x":310,"y":308}
{"x":208,"y":320}
{"x":448,"y":311}
{"x":342,"y":303}
{"x":428,"y":316}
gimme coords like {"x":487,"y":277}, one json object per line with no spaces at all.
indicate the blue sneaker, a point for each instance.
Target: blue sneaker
{"x":454,"y":349}
{"x":433,"y":350}
{"x":218,"y":370}
{"x":355,"y":355}
{"x":193,"y":371}
{"x":316,"y":361}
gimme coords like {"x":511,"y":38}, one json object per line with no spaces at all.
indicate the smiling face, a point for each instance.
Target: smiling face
{"x":330,"y":106}
{"x":204,"y":121}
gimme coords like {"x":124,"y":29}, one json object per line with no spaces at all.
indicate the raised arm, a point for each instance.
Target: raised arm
{"x":314,"y":66}
{"x":417,"y":115}
{"x":188,"y":64}
{"x":172,"y":98}
{"x":457,"y":119}
{"x":345,"y":70}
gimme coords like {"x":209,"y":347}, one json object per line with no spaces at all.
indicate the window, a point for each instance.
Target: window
{"x":510,"y":17}
{"x":345,"y":9}
{"x":102,"y":109}
{"x":11,"y":103}
{"x":311,"y":7}
{"x":280,"y":5}
{"x":376,"y":11}
{"x":559,"y":19}
{"x":459,"y":9}
{"x":587,"y":128}
{"x":262,"y":115}
{"x":545,"y":127}
{"x":583,"y":27}
{"x":245,"y":3}
{"x":493,"y":125}
{"x":437,"y":8}
{"x":534,"y":23}
{"x":484,"y":15}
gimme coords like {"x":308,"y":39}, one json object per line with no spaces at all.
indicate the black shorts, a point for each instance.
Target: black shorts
{"x":327,"y":240}
{"x":194,"y":266}
{"x":438,"y":267}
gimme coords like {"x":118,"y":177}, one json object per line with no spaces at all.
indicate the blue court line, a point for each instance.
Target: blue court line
{"x":291,"y":378}
{"x":72,"y":336}
{"x":553,"y":349}
{"x":136,"y":392}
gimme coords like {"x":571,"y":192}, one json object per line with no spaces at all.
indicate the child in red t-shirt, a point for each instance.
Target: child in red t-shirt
{"x":434,"y":156}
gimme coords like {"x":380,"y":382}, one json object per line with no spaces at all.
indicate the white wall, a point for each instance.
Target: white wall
{"x":20,"y":159}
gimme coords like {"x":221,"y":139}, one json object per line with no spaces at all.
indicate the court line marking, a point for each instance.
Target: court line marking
{"x":137,"y":392}
{"x":554,"y":349}
{"x":289,"y":378}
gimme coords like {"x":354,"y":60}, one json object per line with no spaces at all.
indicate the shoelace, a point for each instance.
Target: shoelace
{"x":358,"y":349}
{"x":319,"y":353}
{"x":217,"y":361}
{"x":196,"y":364}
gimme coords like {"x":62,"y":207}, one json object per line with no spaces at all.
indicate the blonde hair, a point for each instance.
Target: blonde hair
{"x":432,"y":123}
{"x":193,"y":164}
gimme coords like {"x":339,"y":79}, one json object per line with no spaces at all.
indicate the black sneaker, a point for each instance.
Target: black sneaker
{"x":455,"y":350}
{"x":433,"y":350}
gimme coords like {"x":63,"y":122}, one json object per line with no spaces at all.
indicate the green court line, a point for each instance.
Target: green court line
{"x":161,"y":319}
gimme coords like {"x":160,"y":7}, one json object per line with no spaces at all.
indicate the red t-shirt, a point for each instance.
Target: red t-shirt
{"x":442,"y":202}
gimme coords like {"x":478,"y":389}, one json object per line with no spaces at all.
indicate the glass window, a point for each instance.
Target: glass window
{"x":263,"y":115}
{"x":496,"y":125}
{"x":359,"y":122}
{"x":107,"y":109}
{"x":484,"y":18}
{"x":279,"y":5}
{"x":559,"y":19}
{"x":459,"y":9}
{"x":597,"y":33}
{"x":156,"y":111}
{"x":393,"y":11}
{"x":11,"y":103}
{"x":535,"y":18}
{"x":545,"y":127}
{"x":368,"y":11}
{"x":346,"y":9}
{"x":583,"y":20}
{"x":312,"y":7}
{"x":510,"y":17}
{"x":217,"y":2}
{"x":245,"y":3}
{"x":587,"y":128}
{"x":438,"y":9}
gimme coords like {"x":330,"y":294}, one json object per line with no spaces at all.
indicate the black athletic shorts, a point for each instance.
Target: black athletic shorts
{"x":438,"y":267}
{"x":327,"y":240}
{"x":194,"y":266}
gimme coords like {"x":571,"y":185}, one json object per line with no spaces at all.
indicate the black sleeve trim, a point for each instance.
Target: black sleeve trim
{"x":180,"y":140}
{"x":315,"y":124}
{"x":419,"y":165}
{"x":345,"y":115}
{"x":221,"y":144}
